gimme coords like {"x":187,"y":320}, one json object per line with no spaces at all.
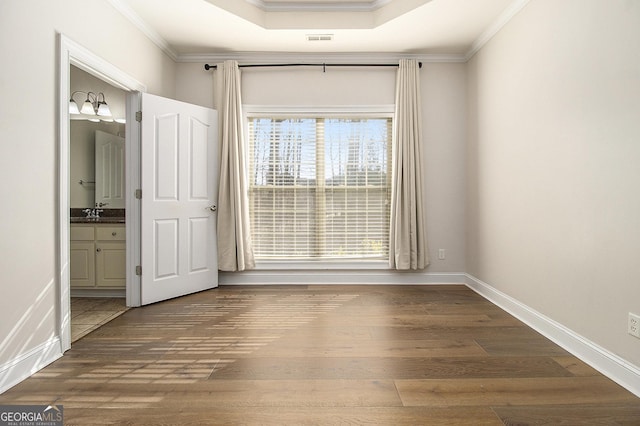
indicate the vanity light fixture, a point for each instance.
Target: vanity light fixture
{"x":91,"y":106}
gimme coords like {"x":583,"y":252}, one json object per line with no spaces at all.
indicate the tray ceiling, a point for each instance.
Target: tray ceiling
{"x":190,"y":27}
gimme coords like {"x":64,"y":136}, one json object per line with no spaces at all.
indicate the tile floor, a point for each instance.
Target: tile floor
{"x":90,"y":313}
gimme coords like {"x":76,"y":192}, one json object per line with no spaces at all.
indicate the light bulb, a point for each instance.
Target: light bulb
{"x":103,"y":109}
{"x":87,"y":108}
{"x":73,"y":107}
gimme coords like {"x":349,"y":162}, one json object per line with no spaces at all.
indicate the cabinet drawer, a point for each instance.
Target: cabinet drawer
{"x":110,"y":233}
{"x":81,"y":233}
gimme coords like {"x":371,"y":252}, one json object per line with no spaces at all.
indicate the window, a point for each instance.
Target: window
{"x":320,"y":186}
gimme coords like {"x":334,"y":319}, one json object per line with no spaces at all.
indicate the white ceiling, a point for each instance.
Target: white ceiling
{"x":188,"y":28}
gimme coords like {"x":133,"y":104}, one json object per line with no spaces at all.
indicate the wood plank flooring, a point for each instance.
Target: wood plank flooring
{"x":324,"y":355}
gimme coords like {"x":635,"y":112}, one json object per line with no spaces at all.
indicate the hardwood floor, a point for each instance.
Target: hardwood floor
{"x":302,"y":355}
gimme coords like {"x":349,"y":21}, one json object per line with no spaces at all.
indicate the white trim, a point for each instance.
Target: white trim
{"x":384,"y":111}
{"x":441,"y":58}
{"x":128,"y":12}
{"x":71,"y":52}
{"x":611,"y":365}
{"x":98,"y":293}
{"x":493,"y":29}
{"x":83,"y":58}
{"x":132,"y":204}
{"x":23,"y":366}
{"x":292,"y":6}
{"x":335,"y":276}
{"x":62,"y":255}
{"x":321,"y":265}
{"x":328,"y":58}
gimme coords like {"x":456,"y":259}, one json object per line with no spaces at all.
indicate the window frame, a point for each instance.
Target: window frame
{"x":355,"y":111}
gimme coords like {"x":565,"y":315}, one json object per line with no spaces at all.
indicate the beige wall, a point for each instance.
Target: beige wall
{"x":28,"y":129}
{"x":194,"y":84}
{"x":444,"y":109}
{"x":553,"y":208}
{"x":444,"y":126}
{"x":310,"y":86}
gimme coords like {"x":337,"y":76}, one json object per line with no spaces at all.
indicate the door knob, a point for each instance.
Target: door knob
{"x":213,"y":207}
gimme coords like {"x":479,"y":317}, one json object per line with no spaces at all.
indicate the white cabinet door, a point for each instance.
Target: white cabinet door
{"x":179,"y":185}
{"x":82,"y":261}
{"x":111,"y":255}
{"x":111,"y":268}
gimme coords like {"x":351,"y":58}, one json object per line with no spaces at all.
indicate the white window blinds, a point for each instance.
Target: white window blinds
{"x":320,"y":187}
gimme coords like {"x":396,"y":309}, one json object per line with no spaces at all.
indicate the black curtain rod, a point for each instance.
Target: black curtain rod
{"x":324,"y":66}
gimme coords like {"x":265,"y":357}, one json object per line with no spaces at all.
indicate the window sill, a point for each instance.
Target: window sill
{"x":292,"y":265}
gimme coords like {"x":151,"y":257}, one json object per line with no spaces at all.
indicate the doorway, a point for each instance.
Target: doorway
{"x":97,"y":205}
{"x":74,"y":55}
{"x":181,"y":243}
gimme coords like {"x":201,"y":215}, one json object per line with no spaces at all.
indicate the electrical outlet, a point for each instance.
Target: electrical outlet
{"x":633,"y":327}
{"x":442,"y":254}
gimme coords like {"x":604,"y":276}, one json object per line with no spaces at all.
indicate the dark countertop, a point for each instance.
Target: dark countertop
{"x":97,"y":220}
{"x":106,"y":216}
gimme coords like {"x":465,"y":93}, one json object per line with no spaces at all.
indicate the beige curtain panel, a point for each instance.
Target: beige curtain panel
{"x":235,"y":252}
{"x":407,"y":235}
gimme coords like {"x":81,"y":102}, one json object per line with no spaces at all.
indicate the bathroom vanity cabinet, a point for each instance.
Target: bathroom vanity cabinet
{"x":97,"y":256}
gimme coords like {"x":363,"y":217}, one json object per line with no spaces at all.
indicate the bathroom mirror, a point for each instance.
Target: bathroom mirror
{"x":82,"y":164}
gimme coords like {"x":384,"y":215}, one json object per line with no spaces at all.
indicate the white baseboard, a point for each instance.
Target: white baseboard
{"x":338,"y":277}
{"x":96,"y":292}
{"x":617,"y":369}
{"x":23,"y":366}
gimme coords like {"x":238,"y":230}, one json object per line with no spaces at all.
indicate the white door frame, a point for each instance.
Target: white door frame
{"x":71,"y":53}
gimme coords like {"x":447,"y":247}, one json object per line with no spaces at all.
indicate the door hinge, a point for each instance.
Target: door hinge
{"x":138,"y":270}
{"x":138,"y":194}
{"x":139,"y":116}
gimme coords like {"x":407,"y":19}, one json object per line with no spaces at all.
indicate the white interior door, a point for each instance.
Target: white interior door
{"x":179,"y":191}
{"x":109,"y":163}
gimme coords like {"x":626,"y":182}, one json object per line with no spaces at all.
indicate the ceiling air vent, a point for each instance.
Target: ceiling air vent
{"x":319,"y":37}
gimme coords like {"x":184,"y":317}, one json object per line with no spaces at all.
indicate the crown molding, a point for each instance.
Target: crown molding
{"x":299,"y":6}
{"x":273,"y":57}
{"x":334,"y":58}
{"x":493,"y":29}
{"x":146,"y":29}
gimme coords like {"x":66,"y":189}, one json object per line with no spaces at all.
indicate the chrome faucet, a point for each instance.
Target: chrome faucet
{"x":92,"y":213}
